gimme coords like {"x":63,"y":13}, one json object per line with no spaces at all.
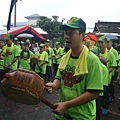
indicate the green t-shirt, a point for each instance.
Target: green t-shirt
{"x":59,"y":53}
{"x":105,"y":77}
{"x":115,"y":54}
{"x":43,"y":67}
{"x":51,"y":54}
{"x":1,"y":61}
{"x":9,"y":58}
{"x":116,"y":57}
{"x":111,"y":62}
{"x":72,"y":87}
{"x":25,"y":61}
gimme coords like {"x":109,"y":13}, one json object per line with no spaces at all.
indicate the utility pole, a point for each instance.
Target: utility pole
{"x":15,"y":15}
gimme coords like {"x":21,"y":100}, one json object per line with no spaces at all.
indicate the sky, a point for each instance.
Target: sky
{"x":89,"y":10}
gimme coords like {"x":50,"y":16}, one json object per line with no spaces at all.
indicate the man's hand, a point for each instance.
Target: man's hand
{"x":7,"y":65}
{"x":49,"y":87}
{"x":60,"y":108}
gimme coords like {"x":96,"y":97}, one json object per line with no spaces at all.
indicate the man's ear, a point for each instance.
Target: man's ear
{"x":83,"y":35}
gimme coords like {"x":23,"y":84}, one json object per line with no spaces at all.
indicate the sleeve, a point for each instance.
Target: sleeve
{"x":17,"y":52}
{"x":52,"y":52}
{"x":113,"y":62}
{"x":94,"y":80}
{"x":61,"y":52}
{"x":46,"y":57}
{"x":31,"y":54}
{"x":58,"y":74}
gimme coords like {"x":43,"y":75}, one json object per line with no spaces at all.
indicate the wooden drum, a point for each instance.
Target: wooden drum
{"x":34,"y":59}
{"x":23,"y":86}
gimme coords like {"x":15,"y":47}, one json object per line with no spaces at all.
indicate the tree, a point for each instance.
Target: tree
{"x":51,"y":26}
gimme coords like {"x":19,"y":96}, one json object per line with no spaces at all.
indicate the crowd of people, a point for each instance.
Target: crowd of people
{"x":84,"y":75}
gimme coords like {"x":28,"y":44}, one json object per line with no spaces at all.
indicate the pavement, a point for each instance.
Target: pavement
{"x":10,"y":110}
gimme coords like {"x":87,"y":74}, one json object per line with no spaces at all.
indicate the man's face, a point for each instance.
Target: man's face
{"x":73,"y":38}
{"x":47,"y":44}
{"x":26,"y":47}
{"x":102,"y":46}
{"x":109,"y":45}
{"x":16,"y":42}
{"x":42,"y":49}
{"x":8,"y":42}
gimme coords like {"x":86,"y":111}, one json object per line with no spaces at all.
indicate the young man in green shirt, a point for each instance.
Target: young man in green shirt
{"x":103,"y":97}
{"x":40,"y":67}
{"x":11,"y":54}
{"x":57,"y":57}
{"x":115,"y":72}
{"x":79,"y":76}
{"x":50,"y":52}
{"x":16,"y":42}
{"x":109,"y":58}
{"x":25,"y":55}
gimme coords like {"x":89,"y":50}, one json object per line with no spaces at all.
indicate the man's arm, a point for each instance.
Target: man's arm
{"x":81,"y":100}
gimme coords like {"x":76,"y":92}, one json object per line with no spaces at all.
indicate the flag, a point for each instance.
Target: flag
{"x":13,"y":2}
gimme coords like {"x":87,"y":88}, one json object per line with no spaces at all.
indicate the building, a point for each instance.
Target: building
{"x":102,"y":28}
{"x":32,"y":19}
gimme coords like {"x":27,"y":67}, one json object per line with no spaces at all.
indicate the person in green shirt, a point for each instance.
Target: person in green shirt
{"x":11,"y":54}
{"x":25,"y":55}
{"x":105,"y":55}
{"x":57,"y":57}
{"x":2,"y":43}
{"x":50,"y":52}
{"x":16,"y":42}
{"x":40,"y":67}
{"x":79,"y":76}
{"x":102,"y":100}
{"x":115,"y":72}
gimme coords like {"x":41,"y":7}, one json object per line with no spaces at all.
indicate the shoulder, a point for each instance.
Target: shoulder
{"x":110,"y":54}
{"x":92,"y":58}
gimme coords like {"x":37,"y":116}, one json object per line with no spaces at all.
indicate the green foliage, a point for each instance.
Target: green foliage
{"x":51,"y":26}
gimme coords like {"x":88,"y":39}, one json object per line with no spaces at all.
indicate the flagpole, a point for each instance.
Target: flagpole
{"x":15,"y":15}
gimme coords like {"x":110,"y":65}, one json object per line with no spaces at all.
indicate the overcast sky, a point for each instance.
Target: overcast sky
{"x":89,"y":10}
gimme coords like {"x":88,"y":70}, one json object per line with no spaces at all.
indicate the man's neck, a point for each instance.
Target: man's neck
{"x":102,"y":51}
{"x":109,"y":48}
{"x":76,"y":51}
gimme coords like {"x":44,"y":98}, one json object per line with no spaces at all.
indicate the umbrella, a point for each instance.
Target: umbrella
{"x":25,"y":35}
{"x":111,"y":36}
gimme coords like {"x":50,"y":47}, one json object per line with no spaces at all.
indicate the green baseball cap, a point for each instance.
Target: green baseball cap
{"x":57,"y":43}
{"x":15,"y":38}
{"x":28,"y":40}
{"x":8,"y":37}
{"x":21,"y":43}
{"x":94,"y":49}
{"x":42,"y":45}
{"x":74,"y":23}
{"x":47,"y":40}
{"x":102,"y":39}
{"x":109,"y":40}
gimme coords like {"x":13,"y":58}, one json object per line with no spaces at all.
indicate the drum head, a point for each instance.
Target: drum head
{"x":34,"y":59}
{"x":20,"y":96}
{"x":23,"y":86}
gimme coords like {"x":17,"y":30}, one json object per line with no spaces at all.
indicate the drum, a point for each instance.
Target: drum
{"x":34,"y":59}
{"x":23,"y":86}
